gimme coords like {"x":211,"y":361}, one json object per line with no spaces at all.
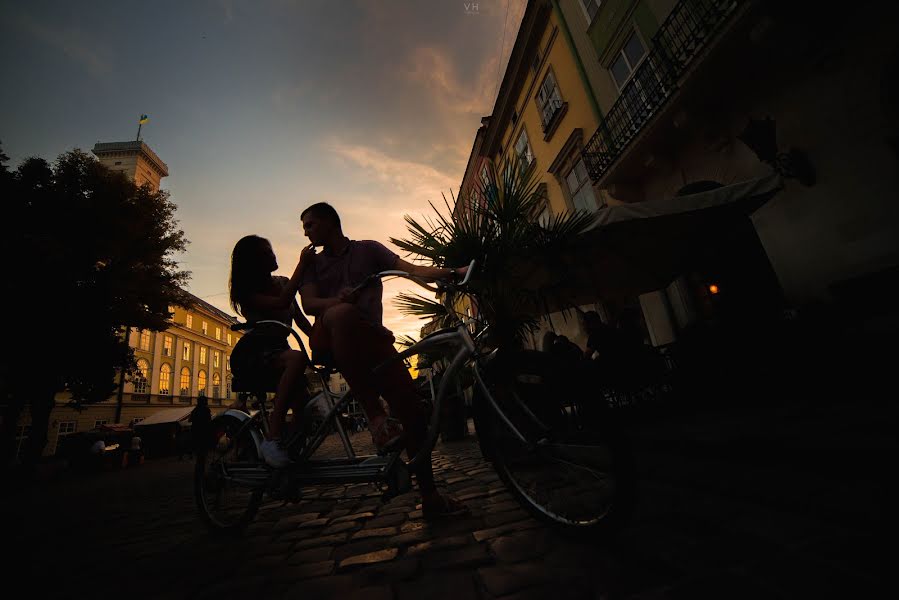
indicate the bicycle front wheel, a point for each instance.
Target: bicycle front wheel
{"x":568,"y":470}
{"x":229,"y":478}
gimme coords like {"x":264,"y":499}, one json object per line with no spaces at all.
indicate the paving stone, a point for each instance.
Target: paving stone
{"x":325,"y":540}
{"x":501,"y":505}
{"x":503,"y":580}
{"x":337,"y":513}
{"x":374,"y":533}
{"x":520,"y":546}
{"x":486,"y":534}
{"x":353,"y":547}
{"x":354,"y":517}
{"x":311,"y":555}
{"x":440,"y":544}
{"x":413,"y":526}
{"x":377,"y":556}
{"x":294,"y":521}
{"x":439,"y":586}
{"x":314,"y":523}
{"x":412,"y":537}
{"x":501,"y":518}
{"x":416,"y":514}
{"x":297,"y":534}
{"x":386,"y":521}
{"x":457,"y":479}
{"x":340,"y":528}
{"x":459,"y":558}
{"x":394,"y":510}
{"x":390,"y":572}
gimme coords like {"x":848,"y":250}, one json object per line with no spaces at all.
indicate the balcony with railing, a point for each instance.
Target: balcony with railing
{"x":687,"y":30}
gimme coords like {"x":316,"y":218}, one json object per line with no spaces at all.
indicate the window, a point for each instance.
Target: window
{"x":185,"y":382}
{"x":135,"y":421}
{"x":629,"y":57}
{"x":228,"y":362}
{"x":145,"y":339}
{"x":471,"y":326}
{"x":165,"y":379}
{"x":100,"y":422}
{"x":342,"y":387}
{"x":216,"y":385}
{"x":590,"y":8}
{"x":65,"y":428}
{"x":202,"y":355}
{"x":523,"y":149}
{"x":167,"y":346}
{"x":189,"y":321}
{"x":548,"y":99}
{"x":185,"y":353}
{"x":218,"y":333}
{"x":580,"y":188}
{"x":215,"y":359}
{"x":202,"y":379}
{"x":140,"y":380}
{"x":205,"y":328}
{"x":229,"y":339}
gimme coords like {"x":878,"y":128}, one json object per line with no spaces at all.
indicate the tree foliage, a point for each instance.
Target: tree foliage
{"x":501,"y":224}
{"x":88,"y":254}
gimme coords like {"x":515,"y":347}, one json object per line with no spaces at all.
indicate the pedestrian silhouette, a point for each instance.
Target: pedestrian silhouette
{"x":200,"y":419}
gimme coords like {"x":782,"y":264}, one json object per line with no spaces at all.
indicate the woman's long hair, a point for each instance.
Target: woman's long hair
{"x":248,"y":270}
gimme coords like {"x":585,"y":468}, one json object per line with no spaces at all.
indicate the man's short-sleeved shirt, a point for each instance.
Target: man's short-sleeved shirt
{"x":358,"y":260}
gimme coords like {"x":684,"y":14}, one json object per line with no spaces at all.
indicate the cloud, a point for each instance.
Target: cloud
{"x":431,"y":68}
{"x":72,"y":42}
{"x":414,"y":180}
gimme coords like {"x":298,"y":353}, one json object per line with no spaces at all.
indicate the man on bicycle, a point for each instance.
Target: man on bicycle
{"x":348,"y":327}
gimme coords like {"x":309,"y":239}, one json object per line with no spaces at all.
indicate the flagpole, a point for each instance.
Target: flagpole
{"x":139,"y":125}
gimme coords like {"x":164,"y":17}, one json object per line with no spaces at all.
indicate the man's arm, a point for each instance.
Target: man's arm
{"x":428,"y":272}
{"x":301,"y":320}
{"x":312,"y":303}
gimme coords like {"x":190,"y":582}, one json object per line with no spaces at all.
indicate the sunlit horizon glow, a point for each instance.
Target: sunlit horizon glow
{"x":261,"y":109}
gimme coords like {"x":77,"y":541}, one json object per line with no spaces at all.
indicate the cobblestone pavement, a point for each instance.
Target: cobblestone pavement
{"x":722,"y":513}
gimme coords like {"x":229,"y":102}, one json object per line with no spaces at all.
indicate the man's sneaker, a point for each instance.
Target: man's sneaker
{"x":274,"y":455}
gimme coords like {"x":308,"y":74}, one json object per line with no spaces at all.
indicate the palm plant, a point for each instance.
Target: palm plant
{"x":499,"y":224}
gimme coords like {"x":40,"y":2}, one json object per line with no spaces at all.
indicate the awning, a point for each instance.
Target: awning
{"x":637,"y":248}
{"x":169,"y":415}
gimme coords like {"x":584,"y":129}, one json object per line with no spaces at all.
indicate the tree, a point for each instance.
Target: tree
{"x":90,"y":255}
{"x":499,"y":224}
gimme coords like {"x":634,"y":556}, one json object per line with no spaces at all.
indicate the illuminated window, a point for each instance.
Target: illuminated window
{"x":202,"y":380}
{"x":229,"y":339}
{"x":218,"y":333}
{"x":185,"y":381}
{"x":228,"y":362}
{"x":205,"y":328}
{"x":215,"y":359}
{"x":190,"y":321}
{"x":165,"y":379}
{"x":185,"y":354}
{"x":167,"y":346}
{"x":145,"y":339}
{"x":216,"y":385}
{"x":202,"y":355}
{"x":140,"y":380}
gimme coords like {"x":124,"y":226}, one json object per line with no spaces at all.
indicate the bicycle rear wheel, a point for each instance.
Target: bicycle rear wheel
{"x":228,"y":504}
{"x":571,"y":471}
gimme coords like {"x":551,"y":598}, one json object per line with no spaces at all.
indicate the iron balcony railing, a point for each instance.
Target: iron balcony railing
{"x":686,"y":31}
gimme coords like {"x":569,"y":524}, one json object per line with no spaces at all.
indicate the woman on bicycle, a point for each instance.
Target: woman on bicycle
{"x":258,"y":295}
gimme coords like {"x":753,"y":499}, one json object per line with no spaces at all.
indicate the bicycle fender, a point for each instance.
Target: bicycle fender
{"x":243,"y":417}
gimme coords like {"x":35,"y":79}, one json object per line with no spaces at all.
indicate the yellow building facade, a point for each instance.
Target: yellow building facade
{"x":174,"y":366}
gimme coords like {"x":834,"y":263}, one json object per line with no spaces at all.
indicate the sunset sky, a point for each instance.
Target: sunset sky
{"x":261,"y":108}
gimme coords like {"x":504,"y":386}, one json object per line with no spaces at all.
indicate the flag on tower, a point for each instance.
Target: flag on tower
{"x":143,"y":119}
